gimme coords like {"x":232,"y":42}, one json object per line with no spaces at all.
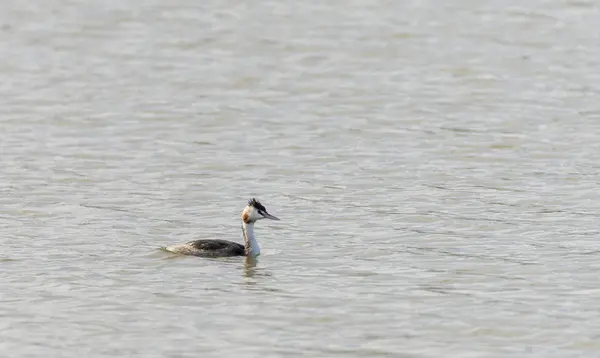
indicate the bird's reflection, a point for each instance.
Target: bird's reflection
{"x":250,"y":266}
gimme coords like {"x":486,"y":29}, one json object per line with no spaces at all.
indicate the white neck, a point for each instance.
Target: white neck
{"x":250,"y":243}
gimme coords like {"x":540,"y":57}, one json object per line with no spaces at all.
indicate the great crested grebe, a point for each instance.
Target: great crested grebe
{"x":253,"y":212}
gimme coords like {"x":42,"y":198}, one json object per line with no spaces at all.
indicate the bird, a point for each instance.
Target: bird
{"x":253,"y":212}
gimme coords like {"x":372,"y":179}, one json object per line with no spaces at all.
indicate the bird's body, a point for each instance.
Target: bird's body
{"x":209,"y":248}
{"x":222,"y":248}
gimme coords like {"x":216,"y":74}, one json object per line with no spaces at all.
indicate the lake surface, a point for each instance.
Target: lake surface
{"x":435,"y":166}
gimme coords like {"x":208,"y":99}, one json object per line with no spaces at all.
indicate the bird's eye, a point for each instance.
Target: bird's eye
{"x":261,"y":212}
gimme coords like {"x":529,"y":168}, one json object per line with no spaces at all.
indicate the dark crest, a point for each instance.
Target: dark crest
{"x":256,"y":204}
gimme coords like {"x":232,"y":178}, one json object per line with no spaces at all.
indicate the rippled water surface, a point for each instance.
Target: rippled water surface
{"x":435,"y":166}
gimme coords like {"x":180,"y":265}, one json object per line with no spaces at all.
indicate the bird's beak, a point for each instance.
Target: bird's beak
{"x":269,"y":216}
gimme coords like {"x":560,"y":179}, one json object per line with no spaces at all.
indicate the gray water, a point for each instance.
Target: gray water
{"x":435,"y":166}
